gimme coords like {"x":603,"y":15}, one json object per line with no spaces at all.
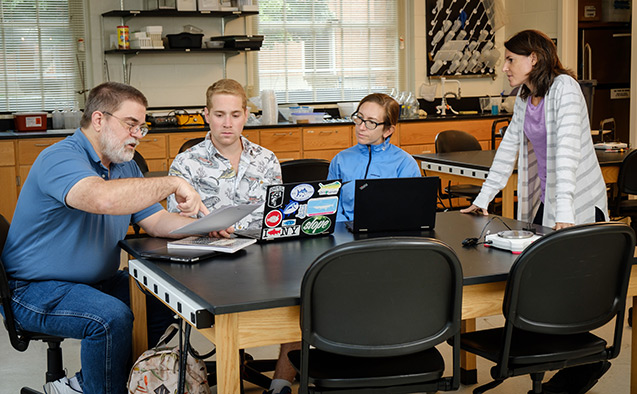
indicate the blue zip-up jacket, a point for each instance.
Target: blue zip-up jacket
{"x":386,"y":161}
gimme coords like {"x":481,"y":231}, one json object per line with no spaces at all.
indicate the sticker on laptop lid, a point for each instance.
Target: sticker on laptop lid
{"x":281,"y":232}
{"x":316,"y":225}
{"x":329,"y":189}
{"x":273,"y":218}
{"x":292,"y":207}
{"x":302,"y":212}
{"x":302,"y":192}
{"x":322,"y":206}
{"x":275,"y":196}
{"x":288,"y":222}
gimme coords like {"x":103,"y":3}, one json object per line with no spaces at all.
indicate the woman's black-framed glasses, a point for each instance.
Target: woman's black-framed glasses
{"x":369,"y":124}
{"x":132,"y":129}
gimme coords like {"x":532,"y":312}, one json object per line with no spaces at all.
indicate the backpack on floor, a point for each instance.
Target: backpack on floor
{"x":156,"y":371}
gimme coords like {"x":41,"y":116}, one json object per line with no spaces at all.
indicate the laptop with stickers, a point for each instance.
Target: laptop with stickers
{"x":293,"y":210}
{"x":394,"y":204}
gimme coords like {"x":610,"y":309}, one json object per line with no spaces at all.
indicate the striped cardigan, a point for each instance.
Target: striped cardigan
{"x":574,"y":181}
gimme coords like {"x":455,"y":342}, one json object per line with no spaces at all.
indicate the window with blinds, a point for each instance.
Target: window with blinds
{"x":328,"y":50}
{"x":40,"y":66}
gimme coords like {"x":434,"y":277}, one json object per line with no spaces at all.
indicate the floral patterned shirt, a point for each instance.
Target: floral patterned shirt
{"x":220,"y":185}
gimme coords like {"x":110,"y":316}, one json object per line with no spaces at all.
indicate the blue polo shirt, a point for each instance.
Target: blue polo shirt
{"x":49,"y":240}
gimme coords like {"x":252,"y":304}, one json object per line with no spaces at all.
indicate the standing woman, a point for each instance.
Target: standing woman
{"x":374,"y":156}
{"x":560,"y":183}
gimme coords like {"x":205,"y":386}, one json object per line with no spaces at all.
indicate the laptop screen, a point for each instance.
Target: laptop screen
{"x":395,"y":204}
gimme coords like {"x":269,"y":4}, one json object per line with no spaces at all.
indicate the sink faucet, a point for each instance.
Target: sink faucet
{"x":442,"y":108}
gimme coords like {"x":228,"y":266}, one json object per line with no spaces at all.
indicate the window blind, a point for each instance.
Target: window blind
{"x":328,"y":50}
{"x":40,"y":67}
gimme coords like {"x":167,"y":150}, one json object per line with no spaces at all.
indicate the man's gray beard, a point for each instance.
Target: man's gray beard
{"x":112,"y":149}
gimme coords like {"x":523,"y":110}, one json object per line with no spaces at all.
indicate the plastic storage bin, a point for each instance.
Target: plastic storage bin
{"x":307,"y":117}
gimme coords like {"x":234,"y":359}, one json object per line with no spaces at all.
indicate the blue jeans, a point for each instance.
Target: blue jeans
{"x":97,"y":314}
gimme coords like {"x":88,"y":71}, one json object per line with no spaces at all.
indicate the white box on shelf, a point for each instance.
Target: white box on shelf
{"x":208,"y":5}
{"x":186,"y":5}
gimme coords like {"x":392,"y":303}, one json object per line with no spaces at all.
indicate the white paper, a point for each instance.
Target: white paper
{"x":219,"y":219}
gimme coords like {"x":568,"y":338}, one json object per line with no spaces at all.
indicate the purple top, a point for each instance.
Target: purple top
{"x":535,"y":131}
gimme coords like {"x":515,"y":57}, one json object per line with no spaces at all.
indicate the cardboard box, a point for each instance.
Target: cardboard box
{"x":186,"y":5}
{"x":589,"y":10}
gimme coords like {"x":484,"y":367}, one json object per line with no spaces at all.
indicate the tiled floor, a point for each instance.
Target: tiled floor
{"x":20,"y":369}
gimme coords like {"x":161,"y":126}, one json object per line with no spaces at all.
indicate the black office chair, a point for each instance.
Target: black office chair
{"x":190,"y":143}
{"x":304,"y":170}
{"x":457,"y":141}
{"x":141,"y":162}
{"x":562,"y":287}
{"x":497,"y":133}
{"x":373,"y":311}
{"x":20,"y":339}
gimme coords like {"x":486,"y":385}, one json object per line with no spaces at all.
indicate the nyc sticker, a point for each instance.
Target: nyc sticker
{"x":275,"y":198}
{"x":280,"y":232}
{"x":322,"y":206}
{"x":273,"y":218}
{"x":329,"y":189}
{"x":302,"y":192}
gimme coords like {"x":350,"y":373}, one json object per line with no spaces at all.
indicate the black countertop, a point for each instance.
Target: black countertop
{"x":10,"y":134}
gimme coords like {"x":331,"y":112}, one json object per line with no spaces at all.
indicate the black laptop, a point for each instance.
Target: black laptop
{"x":156,"y":249}
{"x":297,"y":210}
{"x":394,"y":204}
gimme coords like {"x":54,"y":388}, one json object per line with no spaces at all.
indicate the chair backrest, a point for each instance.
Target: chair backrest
{"x":17,"y":341}
{"x":190,"y":143}
{"x":141,"y":162}
{"x":498,"y":132}
{"x":626,"y":180}
{"x":304,"y":170}
{"x":456,"y":141}
{"x":572,"y":281}
{"x":382,"y":297}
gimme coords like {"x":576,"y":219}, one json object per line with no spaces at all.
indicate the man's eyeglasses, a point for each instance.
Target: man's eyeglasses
{"x":143,"y":130}
{"x":369,"y":124}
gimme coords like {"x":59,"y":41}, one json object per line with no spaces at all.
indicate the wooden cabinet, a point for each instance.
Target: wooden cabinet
{"x":419,"y":137}
{"x":8,"y":181}
{"x":285,"y":142}
{"x":176,"y":140}
{"x":28,"y":151}
{"x":153,"y":148}
{"x":324,"y":142}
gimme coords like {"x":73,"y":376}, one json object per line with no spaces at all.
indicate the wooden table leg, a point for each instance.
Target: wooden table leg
{"x":138,"y":306}
{"x":228,"y":374}
{"x":468,"y":368}
{"x":508,"y":197}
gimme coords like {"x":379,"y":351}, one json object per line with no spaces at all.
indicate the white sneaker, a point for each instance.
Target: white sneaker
{"x":60,"y":386}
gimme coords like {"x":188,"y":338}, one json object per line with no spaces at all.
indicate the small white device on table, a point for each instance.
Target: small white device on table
{"x":513,"y":240}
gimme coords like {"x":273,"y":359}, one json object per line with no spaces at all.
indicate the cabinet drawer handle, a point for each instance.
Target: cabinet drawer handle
{"x":286,"y":159}
{"x":328,"y":131}
{"x":282,"y":134}
{"x":153,"y":140}
{"x":41,"y":145}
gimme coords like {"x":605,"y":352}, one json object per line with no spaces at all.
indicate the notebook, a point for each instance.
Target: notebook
{"x":294,"y":210}
{"x":394,"y":204}
{"x":156,"y":249}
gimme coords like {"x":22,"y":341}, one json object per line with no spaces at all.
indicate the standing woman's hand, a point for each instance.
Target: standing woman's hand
{"x":475,"y":209}
{"x":561,"y":225}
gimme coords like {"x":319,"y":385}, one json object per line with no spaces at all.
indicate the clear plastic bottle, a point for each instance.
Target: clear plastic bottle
{"x":58,"y":119}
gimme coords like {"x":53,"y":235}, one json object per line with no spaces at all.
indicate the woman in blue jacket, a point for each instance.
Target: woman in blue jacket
{"x":374,"y":156}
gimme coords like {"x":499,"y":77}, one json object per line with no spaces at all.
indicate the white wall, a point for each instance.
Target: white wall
{"x":170,"y":79}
